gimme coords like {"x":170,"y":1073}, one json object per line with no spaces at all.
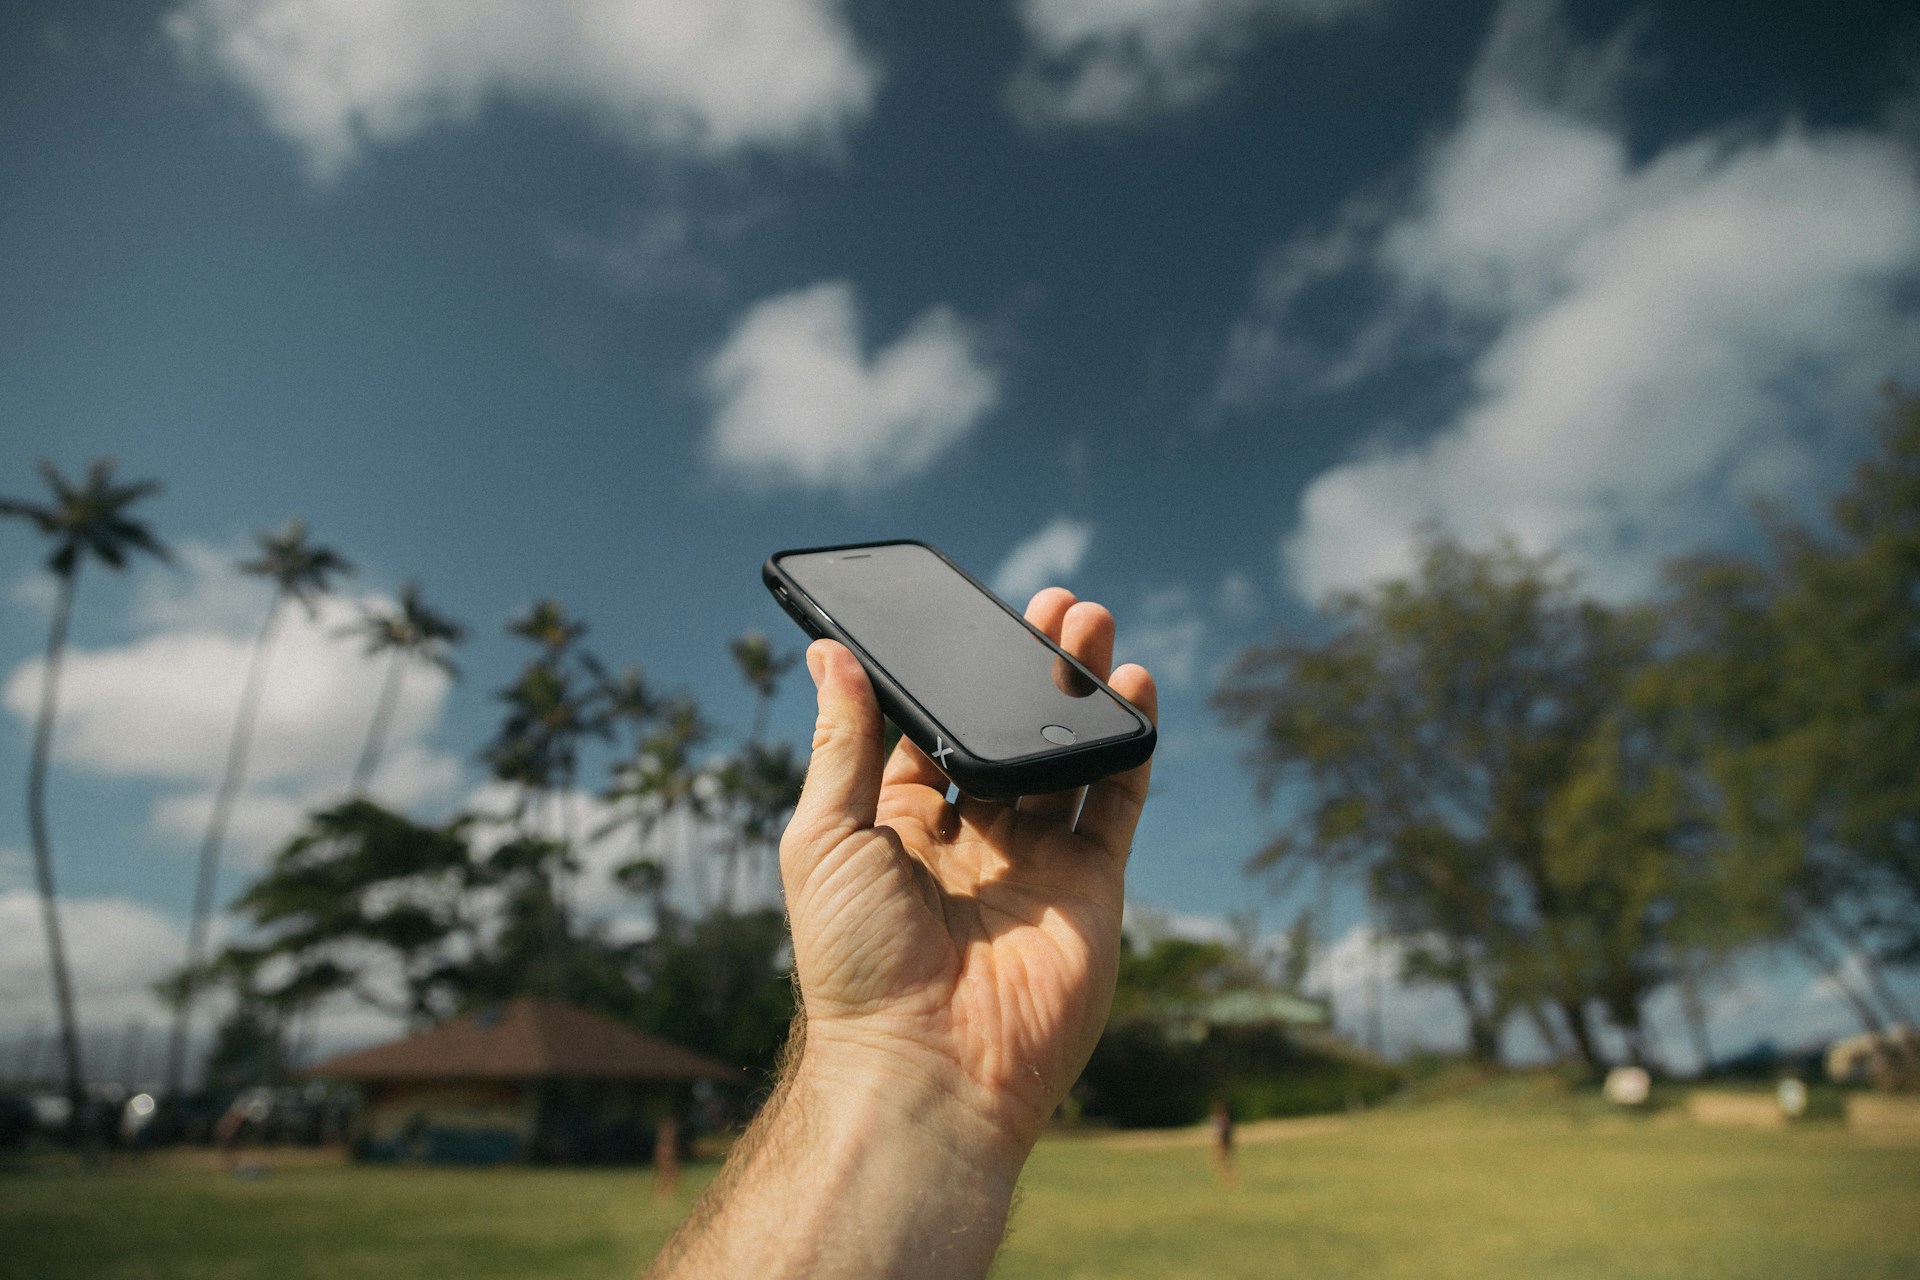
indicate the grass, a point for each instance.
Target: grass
{"x":1454,"y":1189}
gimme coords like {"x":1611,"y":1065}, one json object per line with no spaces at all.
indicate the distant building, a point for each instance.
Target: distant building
{"x":529,"y":1080}
{"x":1887,"y":1059}
{"x":1192,"y":1020}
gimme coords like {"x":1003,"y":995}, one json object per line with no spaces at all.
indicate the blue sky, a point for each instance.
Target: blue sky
{"x":1198,"y":306}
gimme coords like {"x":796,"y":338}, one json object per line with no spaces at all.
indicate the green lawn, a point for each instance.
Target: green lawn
{"x":1432,"y":1192}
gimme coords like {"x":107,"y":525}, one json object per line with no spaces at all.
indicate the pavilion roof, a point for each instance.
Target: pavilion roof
{"x":527,"y":1039}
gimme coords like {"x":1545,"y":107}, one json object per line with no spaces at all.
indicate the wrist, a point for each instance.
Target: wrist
{"x":887,"y":1086}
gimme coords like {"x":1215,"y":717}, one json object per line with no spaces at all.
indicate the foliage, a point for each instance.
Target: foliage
{"x":721,"y":985}
{"x":1143,"y":1074}
{"x":1459,"y":740}
{"x":1153,"y":1068}
{"x":409,"y":632}
{"x":89,"y":519}
{"x":1793,"y":689}
{"x":430,"y":920}
{"x":1174,"y":970}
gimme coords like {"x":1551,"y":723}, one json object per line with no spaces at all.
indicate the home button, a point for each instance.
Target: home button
{"x":1059,"y":735}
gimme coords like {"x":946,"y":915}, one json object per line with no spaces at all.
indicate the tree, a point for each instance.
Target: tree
{"x":85,"y":520}
{"x":409,"y":632}
{"x":301,"y":572}
{"x":762,"y":667}
{"x":1793,"y":687}
{"x":553,"y":707}
{"x":360,"y":899}
{"x":758,"y":786}
{"x":661,"y":784}
{"x":1430,"y":737}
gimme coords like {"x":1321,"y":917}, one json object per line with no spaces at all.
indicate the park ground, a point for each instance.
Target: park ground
{"x":1485,"y":1187}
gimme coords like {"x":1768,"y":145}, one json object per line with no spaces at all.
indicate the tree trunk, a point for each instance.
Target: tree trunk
{"x":1540,"y":1014}
{"x":377,"y":731}
{"x":1829,"y":968}
{"x":72,"y":1077}
{"x":209,"y":869}
{"x":1695,"y":1010}
{"x":1883,"y":990}
{"x":1483,"y":1026}
{"x":1578,"y":1026}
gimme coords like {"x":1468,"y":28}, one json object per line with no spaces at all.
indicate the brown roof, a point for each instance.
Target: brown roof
{"x":526,"y":1040}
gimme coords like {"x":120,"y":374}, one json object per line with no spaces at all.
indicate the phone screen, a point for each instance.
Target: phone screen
{"x":970,"y":664}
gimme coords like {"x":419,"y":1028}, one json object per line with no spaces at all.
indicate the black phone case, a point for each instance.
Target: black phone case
{"x":1057,"y":769}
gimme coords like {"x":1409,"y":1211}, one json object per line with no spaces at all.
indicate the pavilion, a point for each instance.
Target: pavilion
{"x":531,"y":1079}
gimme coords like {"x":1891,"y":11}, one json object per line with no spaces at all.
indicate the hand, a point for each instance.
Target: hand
{"x":967,"y":950}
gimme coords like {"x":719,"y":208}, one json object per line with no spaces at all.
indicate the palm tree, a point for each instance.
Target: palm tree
{"x":300,"y":572}
{"x":410,"y":632}
{"x":761,"y":666}
{"x":661,"y":783}
{"x":88,"y":519}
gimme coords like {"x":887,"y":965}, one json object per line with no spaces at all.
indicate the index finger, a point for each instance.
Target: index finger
{"x":1112,"y":807}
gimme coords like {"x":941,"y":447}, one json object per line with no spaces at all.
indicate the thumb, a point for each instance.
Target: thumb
{"x":842,"y":790}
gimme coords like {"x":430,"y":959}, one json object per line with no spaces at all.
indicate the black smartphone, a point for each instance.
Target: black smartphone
{"x":1000,"y":708}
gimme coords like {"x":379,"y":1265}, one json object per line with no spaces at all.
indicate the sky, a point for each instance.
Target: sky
{"x":1200,"y":308}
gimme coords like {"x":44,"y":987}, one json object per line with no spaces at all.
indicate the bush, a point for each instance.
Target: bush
{"x":1140,"y":1077}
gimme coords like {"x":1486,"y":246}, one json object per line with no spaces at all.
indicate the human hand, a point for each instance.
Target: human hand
{"x":957,"y":957}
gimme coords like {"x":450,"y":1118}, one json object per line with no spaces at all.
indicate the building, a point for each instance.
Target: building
{"x":529,"y":1080}
{"x":1193,"y":1020}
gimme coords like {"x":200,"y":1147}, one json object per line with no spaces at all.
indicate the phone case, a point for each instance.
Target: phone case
{"x":1056,"y":769}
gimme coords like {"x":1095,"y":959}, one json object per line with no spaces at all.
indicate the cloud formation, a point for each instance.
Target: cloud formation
{"x":799,"y":401}
{"x":162,"y":706}
{"x":1164,"y":633}
{"x":1647,"y":343}
{"x":1103,"y":62}
{"x":116,"y":950}
{"x":1045,"y":559}
{"x":704,"y":76}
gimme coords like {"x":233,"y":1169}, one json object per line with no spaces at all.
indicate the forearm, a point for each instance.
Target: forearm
{"x":858,"y":1166}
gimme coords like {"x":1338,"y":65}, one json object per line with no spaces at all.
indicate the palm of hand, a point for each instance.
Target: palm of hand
{"x":982,"y":935}
{"x":974,"y":941}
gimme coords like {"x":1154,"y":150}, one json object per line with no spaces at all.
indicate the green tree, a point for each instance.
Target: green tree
{"x":360,"y":898}
{"x":1794,"y":688}
{"x":407,"y":632}
{"x":1428,"y":738}
{"x":554,"y":707}
{"x":756,"y":788}
{"x":301,"y":572}
{"x":762,"y":667}
{"x":84,"y":520}
{"x":661,"y":786}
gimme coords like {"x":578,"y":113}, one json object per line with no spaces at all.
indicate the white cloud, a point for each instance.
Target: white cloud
{"x":1046,"y":559}
{"x":1237,"y":598}
{"x":1650,"y":342}
{"x":204,"y":595}
{"x":674,"y":246}
{"x":116,"y":950}
{"x":707,"y":76}
{"x":162,"y":706}
{"x":797,"y":400}
{"x":1094,"y":62}
{"x":1164,"y":634}
{"x":1360,"y":974}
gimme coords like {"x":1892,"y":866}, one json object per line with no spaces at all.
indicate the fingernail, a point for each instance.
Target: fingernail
{"x":816,"y":663}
